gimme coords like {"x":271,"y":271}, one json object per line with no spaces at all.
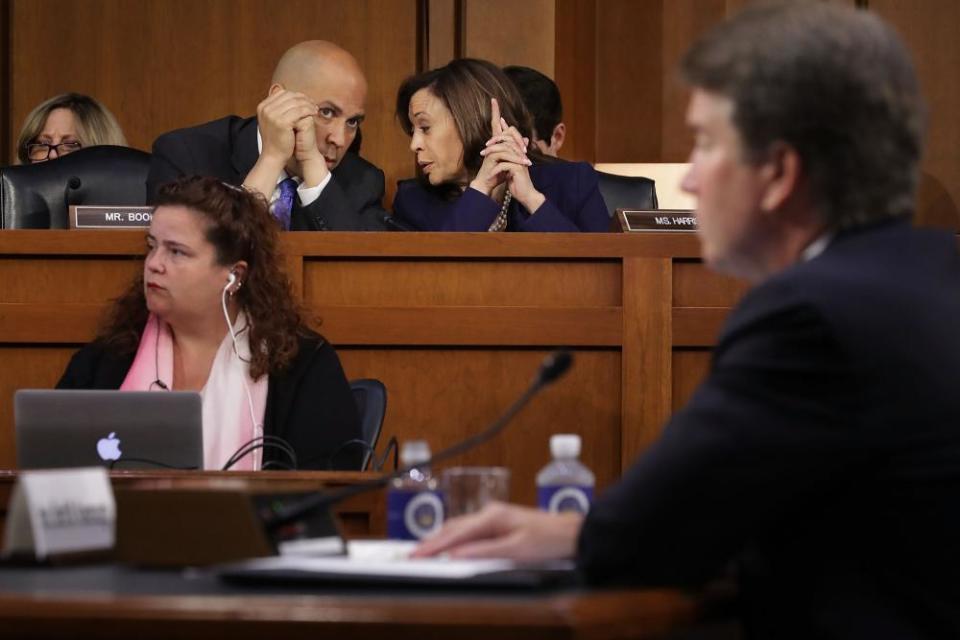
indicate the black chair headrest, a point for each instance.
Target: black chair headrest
{"x":627,"y":192}
{"x":37,"y":196}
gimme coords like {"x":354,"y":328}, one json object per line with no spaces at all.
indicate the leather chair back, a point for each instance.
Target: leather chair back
{"x":371,"y":398}
{"x":627,"y":192}
{"x":38,"y":196}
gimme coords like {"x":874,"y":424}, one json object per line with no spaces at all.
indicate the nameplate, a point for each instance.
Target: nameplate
{"x":656,"y":220}
{"x":61,"y":511}
{"x":97,"y":217}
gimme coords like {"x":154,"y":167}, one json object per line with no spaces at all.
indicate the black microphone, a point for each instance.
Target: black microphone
{"x":395,"y":224}
{"x":277,"y":514}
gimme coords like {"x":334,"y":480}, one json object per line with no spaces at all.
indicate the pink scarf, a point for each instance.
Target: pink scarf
{"x":227,"y":423}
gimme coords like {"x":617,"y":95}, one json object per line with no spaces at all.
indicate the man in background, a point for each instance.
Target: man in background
{"x":295,"y":151}
{"x":821,"y":455}
{"x":542,"y":98}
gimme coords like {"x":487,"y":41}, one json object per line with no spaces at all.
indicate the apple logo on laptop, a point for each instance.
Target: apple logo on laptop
{"x":109,"y":447}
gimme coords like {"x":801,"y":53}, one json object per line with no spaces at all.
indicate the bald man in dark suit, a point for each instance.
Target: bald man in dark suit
{"x":295,"y":151}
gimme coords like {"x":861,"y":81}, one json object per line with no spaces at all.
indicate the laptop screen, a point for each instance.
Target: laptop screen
{"x":118,"y":429}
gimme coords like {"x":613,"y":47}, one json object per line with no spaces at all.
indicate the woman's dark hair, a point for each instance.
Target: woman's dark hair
{"x":465,"y":86}
{"x":541,"y":97}
{"x":240,"y":227}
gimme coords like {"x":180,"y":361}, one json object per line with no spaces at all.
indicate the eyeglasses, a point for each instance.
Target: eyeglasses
{"x":41,"y":150}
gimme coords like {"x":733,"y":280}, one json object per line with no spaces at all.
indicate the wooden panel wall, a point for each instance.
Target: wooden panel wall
{"x":430,"y":316}
{"x":163,"y":64}
{"x":510,"y":32}
{"x":618,"y":60}
{"x":930,"y":28}
{"x":576,"y":52}
{"x":616,"y":65}
{"x":5,"y":131}
{"x":683,"y":21}
{"x":442,"y":32}
{"x":629,"y":89}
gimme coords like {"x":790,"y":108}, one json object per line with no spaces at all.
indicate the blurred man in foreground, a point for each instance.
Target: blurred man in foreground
{"x":822,"y":452}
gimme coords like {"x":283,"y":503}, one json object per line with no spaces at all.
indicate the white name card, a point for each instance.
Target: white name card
{"x":60,"y":511}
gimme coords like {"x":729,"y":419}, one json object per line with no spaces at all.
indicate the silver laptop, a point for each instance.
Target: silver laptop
{"x":119,"y":429}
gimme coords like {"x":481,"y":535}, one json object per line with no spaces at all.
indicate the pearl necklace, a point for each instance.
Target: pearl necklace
{"x":500,"y":222}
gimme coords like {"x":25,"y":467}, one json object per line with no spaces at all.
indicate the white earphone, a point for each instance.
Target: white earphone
{"x":257,"y":427}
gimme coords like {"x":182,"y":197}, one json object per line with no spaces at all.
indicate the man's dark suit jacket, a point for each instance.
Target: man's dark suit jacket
{"x":573,"y":203}
{"x":822,"y":451}
{"x":227,"y":149}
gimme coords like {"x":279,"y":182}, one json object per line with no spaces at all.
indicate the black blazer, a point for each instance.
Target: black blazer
{"x":309,"y":405}
{"x":573,"y":203}
{"x":227,"y":149}
{"x":822,"y":451}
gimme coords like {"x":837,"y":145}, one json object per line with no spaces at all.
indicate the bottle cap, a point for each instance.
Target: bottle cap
{"x":565,"y":445}
{"x":414,"y":452}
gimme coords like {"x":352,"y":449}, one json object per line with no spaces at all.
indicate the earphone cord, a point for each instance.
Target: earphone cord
{"x":156,"y":358}
{"x":263,"y":442}
{"x":376,"y":463}
{"x":119,"y":462}
{"x":257,"y":427}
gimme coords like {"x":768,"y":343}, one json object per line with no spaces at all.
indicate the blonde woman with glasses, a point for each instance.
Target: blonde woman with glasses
{"x":63,"y":124}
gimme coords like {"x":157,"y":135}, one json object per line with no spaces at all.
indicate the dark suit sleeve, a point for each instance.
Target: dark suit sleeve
{"x":421,"y":209}
{"x":79,"y":372}
{"x":403,"y":208}
{"x":591,"y":212}
{"x":333,"y":210}
{"x":582,"y":207}
{"x":163,"y":166}
{"x":549,"y":218}
{"x":769,"y":431}
{"x":93,"y":367}
{"x":323,"y":415}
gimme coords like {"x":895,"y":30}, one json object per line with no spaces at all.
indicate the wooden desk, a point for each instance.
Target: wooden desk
{"x":109,"y":602}
{"x":363,"y":515}
{"x":454,"y":324}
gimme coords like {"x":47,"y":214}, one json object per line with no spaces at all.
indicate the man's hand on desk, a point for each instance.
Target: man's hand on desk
{"x":506,"y":531}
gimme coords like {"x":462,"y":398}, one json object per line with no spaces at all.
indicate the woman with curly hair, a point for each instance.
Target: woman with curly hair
{"x":213,"y":312}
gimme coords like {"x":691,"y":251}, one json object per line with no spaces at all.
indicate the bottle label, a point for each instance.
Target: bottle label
{"x":561,"y":498}
{"x":412,"y":515}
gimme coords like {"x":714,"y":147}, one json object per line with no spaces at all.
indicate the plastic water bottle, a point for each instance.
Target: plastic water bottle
{"x":414,"y":505}
{"x":565,"y":484}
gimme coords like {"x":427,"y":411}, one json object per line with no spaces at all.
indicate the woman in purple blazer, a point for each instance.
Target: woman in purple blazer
{"x":476,"y":168}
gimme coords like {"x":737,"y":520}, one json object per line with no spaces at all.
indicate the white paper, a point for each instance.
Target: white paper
{"x":380,"y":550}
{"x":329,"y":546}
{"x":345,"y":565}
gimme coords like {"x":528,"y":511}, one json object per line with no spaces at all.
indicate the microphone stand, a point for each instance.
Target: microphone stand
{"x":276,"y":515}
